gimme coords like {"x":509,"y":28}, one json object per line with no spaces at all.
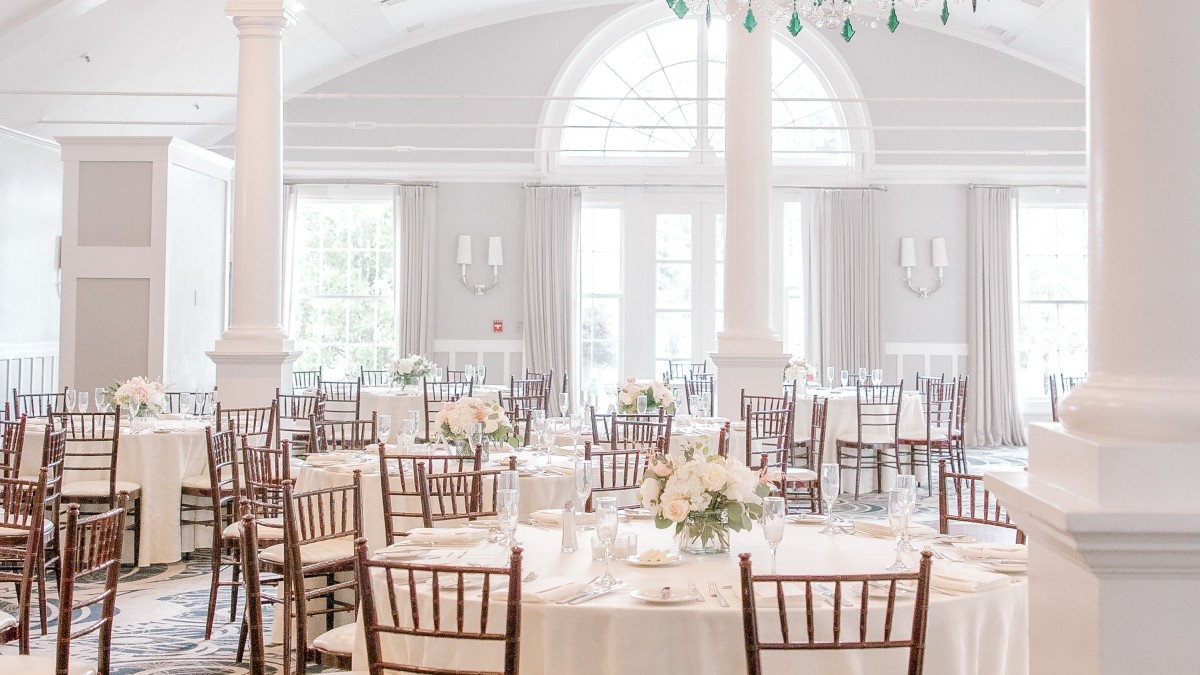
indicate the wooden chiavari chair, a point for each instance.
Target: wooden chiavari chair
{"x":92,"y":547}
{"x":878,"y":415}
{"x":547,"y":377}
{"x":173,"y":402}
{"x":722,"y":440}
{"x":457,"y":376}
{"x":305,"y":379}
{"x":292,"y":413}
{"x":456,"y":495}
{"x":49,"y":554}
{"x":639,"y":432}
{"x":343,"y":435}
{"x":781,"y":636}
{"x":402,"y":491}
{"x":219,"y":488}
{"x":935,"y":443}
{"x":93,"y":440}
{"x":958,"y":442}
{"x":803,"y":480}
{"x":375,"y":378}
{"x":768,"y":443}
{"x":438,"y":394}
{"x":923,"y":381}
{"x":601,"y":426}
{"x":619,"y":470}
{"x":12,"y":442}
{"x":252,"y":621}
{"x":397,"y":582}
{"x":23,"y":527}
{"x":700,"y":384}
{"x":264,"y":473}
{"x":971,"y":503}
{"x":535,"y":390}
{"x":343,"y":399}
{"x":257,"y":424}
{"x":40,"y":406}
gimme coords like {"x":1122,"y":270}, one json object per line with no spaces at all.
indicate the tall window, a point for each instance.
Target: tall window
{"x":343,"y":311}
{"x":600,"y":301}
{"x":1053,"y":292}
{"x":673,"y":300}
{"x":795,"y":288}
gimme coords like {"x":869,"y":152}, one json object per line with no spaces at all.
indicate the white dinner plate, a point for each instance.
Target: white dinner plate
{"x":485,"y":524}
{"x":670,"y":559}
{"x":807,"y":519}
{"x":654,"y":596}
{"x":407,"y":553}
{"x":1005,"y":566}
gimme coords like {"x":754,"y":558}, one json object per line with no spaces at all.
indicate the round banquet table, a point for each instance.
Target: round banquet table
{"x":983,"y":633}
{"x":398,"y":404}
{"x":157,"y":460}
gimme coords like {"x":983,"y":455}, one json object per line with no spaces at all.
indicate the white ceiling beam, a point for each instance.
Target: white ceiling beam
{"x":43,"y":18}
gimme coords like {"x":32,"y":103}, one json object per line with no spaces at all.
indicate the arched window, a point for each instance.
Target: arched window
{"x":644,"y":100}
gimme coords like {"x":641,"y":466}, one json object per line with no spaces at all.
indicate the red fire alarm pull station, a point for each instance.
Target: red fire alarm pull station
{"x":497,"y":326}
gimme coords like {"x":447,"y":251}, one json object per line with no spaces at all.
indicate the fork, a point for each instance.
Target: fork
{"x":695,"y":591}
{"x":716,"y":593}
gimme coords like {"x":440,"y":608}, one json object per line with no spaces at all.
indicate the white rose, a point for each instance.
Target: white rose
{"x":676,"y":510}
{"x":713,"y":477}
{"x":661,"y":469}
{"x":650,"y":492}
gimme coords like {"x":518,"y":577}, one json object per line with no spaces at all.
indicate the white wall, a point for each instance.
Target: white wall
{"x":30,"y":223}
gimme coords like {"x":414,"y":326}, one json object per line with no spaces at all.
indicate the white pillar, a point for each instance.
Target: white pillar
{"x":749,"y":353}
{"x":1110,"y":501}
{"x":254,"y":355}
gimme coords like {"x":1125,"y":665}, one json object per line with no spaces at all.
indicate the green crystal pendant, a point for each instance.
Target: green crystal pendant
{"x":847,"y":31}
{"x":893,"y":20}
{"x":795,"y":26}
{"x":708,"y":14}
{"x":945,"y":11}
{"x":681,"y":8}
{"x":751,"y":23}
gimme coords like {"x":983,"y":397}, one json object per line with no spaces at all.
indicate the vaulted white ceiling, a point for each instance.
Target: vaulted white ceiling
{"x":188,"y":46}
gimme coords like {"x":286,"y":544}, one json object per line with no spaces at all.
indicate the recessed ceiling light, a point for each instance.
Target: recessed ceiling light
{"x":415,"y":27}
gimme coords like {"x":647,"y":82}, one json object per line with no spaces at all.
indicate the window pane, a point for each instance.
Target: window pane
{"x":673,"y":234}
{"x":673,"y":335}
{"x":674,"y":287}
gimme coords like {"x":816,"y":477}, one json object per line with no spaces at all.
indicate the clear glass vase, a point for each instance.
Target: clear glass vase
{"x":705,"y":533}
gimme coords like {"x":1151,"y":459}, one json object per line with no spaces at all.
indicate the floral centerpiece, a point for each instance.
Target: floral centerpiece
{"x":798,"y":369}
{"x":455,"y":419}
{"x":703,"y":498}
{"x":150,"y":394}
{"x":410,"y":369}
{"x":657,"y":396}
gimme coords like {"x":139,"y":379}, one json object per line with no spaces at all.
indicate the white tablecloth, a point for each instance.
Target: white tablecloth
{"x":158,"y":462}
{"x":394,"y":402}
{"x":981,"y":633}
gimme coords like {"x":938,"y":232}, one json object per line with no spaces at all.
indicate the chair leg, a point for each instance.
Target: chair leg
{"x":243,"y":635}
{"x":237,"y":584}
{"x":214,"y":581}
{"x":40,"y":564}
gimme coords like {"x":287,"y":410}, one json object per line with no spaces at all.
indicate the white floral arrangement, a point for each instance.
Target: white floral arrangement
{"x":799,"y":369}
{"x":675,"y":488}
{"x":151,"y":393}
{"x":455,"y":419}
{"x":658,"y":395}
{"x":410,"y":369}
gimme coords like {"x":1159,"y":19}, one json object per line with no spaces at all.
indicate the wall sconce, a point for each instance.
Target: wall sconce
{"x":908,"y":260}
{"x":495,"y":259}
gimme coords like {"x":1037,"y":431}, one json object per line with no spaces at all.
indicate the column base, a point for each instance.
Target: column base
{"x":753,"y":365}
{"x":1114,"y":555}
{"x":249,"y":371}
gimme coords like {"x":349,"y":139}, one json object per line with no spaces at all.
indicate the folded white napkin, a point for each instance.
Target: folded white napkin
{"x":882,"y":528}
{"x":548,"y":591}
{"x":328,"y":458}
{"x":170,"y":416}
{"x":965,"y":578}
{"x":349,"y":469}
{"x":561,"y":470}
{"x":566,"y":449}
{"x":555,"y":517}
{"x":988,"y":551}
{"x":446,"y":536}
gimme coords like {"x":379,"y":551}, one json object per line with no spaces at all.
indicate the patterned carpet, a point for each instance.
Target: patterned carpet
{"x":161,"y":608}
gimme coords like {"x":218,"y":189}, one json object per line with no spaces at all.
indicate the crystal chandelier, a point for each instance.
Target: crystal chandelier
{"x":832,"y":14}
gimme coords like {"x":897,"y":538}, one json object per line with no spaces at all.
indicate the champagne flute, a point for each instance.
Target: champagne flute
{"x":509,"y":480}
{"x":583,"y":482}
{"x":845,"y":377}
{"x":862,"y":375}
{"x":575,"y":425}
{"x":695,"y":404}
{"x":475,"y":435}
{"x":908,"y":483}
{"x":564,"y":403}
{"x":831,"y":487}
{"x":547,"y":439}
{"x":185,"y":404}
{"x":507,"y":511}
{"x":606,"y":531}
{"x":83,"y":401}
{"x":830,"y":373}
{"x":469,"y":372}
{"x":408,"y":432}
{"x":135,"y":406}
{"x":642,"y":404}
{"x":210,"y":405}
{"x":70,"y":400}
{"x":877,"y":376}
{"x":898,"y":518}
{"x":383,"y":428}
{"x":101,"y":397}
{"x":481,"y":371}
{"x":774,"y":511}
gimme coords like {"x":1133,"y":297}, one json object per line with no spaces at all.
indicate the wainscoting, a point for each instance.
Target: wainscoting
{"x":503,"y":358}
{"x":906,"y":359}
{"x":29,"y":368}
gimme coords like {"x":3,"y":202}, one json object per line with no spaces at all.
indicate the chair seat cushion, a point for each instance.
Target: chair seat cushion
{"x":340,"y":640}
{"x":872,"y":436}
{"x":918,"y":438}
{"x":268,"y":529}
{"x":197,"y":482}
{"x":796,"y":474}
{"x":98,"y":488}
{"x":7,"y":620}
{"x":47,"y":526}
{"x":316,"y":552}
{"x":40,"y":665}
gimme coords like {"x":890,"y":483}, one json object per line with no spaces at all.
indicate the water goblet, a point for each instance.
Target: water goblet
{"x":898,"y":506}
{"x":83,"y":401}
{"x":70,"y":400}
{"x":831,"y":487}
{"x":830,"y":373}
{"x":547,"y":441}
{"x":877,"y":376}
{"x":383,"y":428}
{"x":408,"y":432}
{"x":706,"y":404}
{"x":845,"y":376}
{"x":564,"y":403}
{"x":774,"y":511}
{"x":642,"y":404}
{"x":475,"y":435}
{"x":607,"y":524}
{"x":677,"y":396}
{"x":583,"y":482}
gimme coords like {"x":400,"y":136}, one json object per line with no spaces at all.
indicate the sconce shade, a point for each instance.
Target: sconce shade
{"x":495,"y":252}
{"x":464,"y":249}
{"x":908,"y":253}
{"x":940,"y":259}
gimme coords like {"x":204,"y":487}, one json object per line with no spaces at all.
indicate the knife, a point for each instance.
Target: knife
{"x":720,"y":596}
{"x":591,"y":595}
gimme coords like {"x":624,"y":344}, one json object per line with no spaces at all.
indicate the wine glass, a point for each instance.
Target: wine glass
{"x":575,"y":424}
{"x":877,"y":376}
{"x":83,"y":401}
{"x":547,"y":438}
{"x":862,"y":375}
{"x":383,"y":428}
{"x":831,"y":487}
{"x":898,"y":506}
{"x":70,"y":400}
{"x":606,"y":532}
{"x":695,"y":404}
{"x":135,"y":406}
{"x":642,"y":404}
{"x":706,"y":404}
{"x":507,"y":512}
{"x":564,"y":403}
{"x":469,"y":372}
{"x":774,"y":511}
{"x":210,"y":405}
{"x":408,"y":432}
{"x":908,"y":483}
{"x":845,"y":377}
{"x":437,"y":373}
{"x":830,"y":373}
{"x":583,"y":481}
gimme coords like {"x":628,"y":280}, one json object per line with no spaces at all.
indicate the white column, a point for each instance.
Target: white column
{"x":749,"y":353}
{"x":254,"y":355}
{"x":1110,"y":501}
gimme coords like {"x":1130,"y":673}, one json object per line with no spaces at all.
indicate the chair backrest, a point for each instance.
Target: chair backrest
{"x":403,"y":614}
{"x":960,"y":406}
{"x":619,"y":470}
{"x":375,"y":378}
{"x":639,"y":432}
{"x":923,"y":381}
{"x":39,"y":405}
{"x":54,"y":457}
{"x":963,"y":498}
{"x":878,"y":411}
{"x":456,"y":376}
{"x":803,"y":633}
{"x":92,"y":443}
{"x":12,"y":441}
{"x":768,"y":437}
{"x":305,"y":379}
{"x":1052,"y":387}
{"x":940,"y":415}
{"x":173,"y":401}
{"x":761,"y":402}
{"x":224,"y":463}
{"x":343,"y":398}
{"x":698,"y":384}
{"x":92,"y":547}
{"x":264,"y":472}
{"x":254,"y":594}
{"x":535,"y":391}
{"x":324,"y":514}
{"x":1068,"y":382}
{"x":401,"y":490}
{"x":601,"y":426}
{"x":546,"y":377}
{"x":292,"y":412}
{"x":815,"y":448}
{"x":456,"y":495}
{"x":22,"y":512}
{"x":257,"y":424}
{"x":337,"y":435}
{"x":438,"y":394}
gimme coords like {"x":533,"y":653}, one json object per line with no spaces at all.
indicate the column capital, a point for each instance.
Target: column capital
{"x":265,"y":9}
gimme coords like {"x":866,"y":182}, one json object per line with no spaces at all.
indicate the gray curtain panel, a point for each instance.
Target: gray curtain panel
{"x":415,"y":211}
{"x":847,"y":242}
{"x":551,"y":223}
{"x":993,"y":406}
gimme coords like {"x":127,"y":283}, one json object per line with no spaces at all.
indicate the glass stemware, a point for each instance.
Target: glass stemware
{"x":862,"y":375}
{"x":877,"y":376}
{"x":481,"y":372}
{"x":70,"y":400}
{"x":135,"y":406}
{"x":507,"y":510}
{"x":830,"y":373}
{"x":408,"y":432}
{"x":576,"y":427}
{"x":695,"y":404}
{"x":475,"y":435}
{"x":774,"y":511}
{"x":210,"y":405}
{"x":642,"y":404}
{"x":383,"y":428}
{"x":898,"y":507}
{"x":908,"y":483}
{"x":583,"y":482}
{"x":606,"y":532}
{"x":706,"y":404}
{"x":101,"y":397}
{"x":831,"y":487}
{"x":845,"y":376}
{"x":185,"y":405}
{"x":564,"y":403}
{"x":469,"y":373}
{"x":83,"y":401}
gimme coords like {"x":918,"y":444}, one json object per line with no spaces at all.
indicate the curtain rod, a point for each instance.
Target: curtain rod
{"x":881,"y":188}
{"x":355,"y":181}
{"x":1029,"y":185}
